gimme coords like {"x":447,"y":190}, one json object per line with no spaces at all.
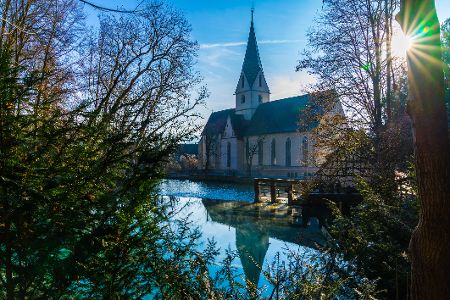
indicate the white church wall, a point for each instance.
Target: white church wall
{"x":241,"y":163}
{"x":251,"y":94}
{"x":246,"y":107}
{"x":233,"y":154}
{"x":238,"y":152}
{"x":228,"y":136}
{"x":297,"y":167}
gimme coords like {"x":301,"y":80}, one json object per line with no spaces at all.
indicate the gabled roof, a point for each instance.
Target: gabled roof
{"x":218,"y":120}
{"x":278,"y":116}
{"x":252,"y":63}
{"x":239,"y":124}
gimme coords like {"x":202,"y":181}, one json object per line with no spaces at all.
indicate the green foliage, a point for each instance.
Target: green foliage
{"x":445,"y":32}
{"x":82,"y":149}
{"x":374,"y":239}
{"x":79,"y":165}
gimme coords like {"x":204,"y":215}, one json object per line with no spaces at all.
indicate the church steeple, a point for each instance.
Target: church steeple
{"x":252,"y":88}
{"x":252,"y":62}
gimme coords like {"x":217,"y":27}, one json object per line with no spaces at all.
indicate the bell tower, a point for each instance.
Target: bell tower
{"x":252,"y":88}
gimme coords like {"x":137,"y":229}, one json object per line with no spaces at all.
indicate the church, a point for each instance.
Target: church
{"x":258,"y":137}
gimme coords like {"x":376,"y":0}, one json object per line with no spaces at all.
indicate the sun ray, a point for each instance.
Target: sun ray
{"x":400,"y":44}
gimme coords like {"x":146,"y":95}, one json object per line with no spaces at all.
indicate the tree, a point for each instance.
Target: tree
{"x":252,"y":147}
{"x":350,"y":54}
{"x":351,"y":36}
{"x":430,"y":242}
{"x":445,"y":30}
{"x":373,"y":142}
{"x":84,"y":135}
{"x":209,"y":149}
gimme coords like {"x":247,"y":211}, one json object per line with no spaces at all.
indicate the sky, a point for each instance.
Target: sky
{"x":221,"y":28}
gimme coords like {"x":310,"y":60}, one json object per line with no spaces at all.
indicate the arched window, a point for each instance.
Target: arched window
{"x":242,"y":81}
{"x":243,"y":99}
{"x":305,"y":153}
{"x":288,"y":152}
{"x":260,"y":153}
{"x":273,"y":153}
{"x":259,"y":98}
{"x":228,"y":154}
{"x":260,"y":81}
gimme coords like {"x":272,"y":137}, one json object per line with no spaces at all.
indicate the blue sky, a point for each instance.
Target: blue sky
{"x":221,"y":28}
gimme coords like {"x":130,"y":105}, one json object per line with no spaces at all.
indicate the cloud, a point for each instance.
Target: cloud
{"x":221,"y":58}
{"x":235,"y":44}
{"x":279,"y":41}
{"x":232,"y":44}
{"x":283,"y":86}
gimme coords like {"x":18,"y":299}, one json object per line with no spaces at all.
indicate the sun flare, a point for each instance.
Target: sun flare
{"x":400,"y":44}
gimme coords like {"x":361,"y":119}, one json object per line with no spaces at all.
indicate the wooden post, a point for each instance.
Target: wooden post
{"x":256,"y":188}
{"x":273,"y":195}
{"x":290,"y":196}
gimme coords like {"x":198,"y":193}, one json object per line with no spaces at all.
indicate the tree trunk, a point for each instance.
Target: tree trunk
{"x":430,"y":242}
{"x":388,"y":28}
{"x":376,"y":76}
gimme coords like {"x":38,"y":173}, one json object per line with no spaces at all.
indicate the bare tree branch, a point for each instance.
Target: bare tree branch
{"x":112,"y":9}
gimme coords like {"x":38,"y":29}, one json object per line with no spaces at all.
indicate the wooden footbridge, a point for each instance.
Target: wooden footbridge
{"x":314,"y":203}
{"x":276,"y":190}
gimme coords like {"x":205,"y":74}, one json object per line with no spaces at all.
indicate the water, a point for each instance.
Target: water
{"x":207,"y":190}
{"x":224,"y":213}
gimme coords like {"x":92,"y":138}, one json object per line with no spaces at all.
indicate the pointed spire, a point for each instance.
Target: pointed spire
{"x":252,"y":63}
{"x":253,"y":10}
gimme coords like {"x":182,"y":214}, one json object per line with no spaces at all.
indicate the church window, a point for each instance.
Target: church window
{"x":259,"y":98}
{"x":273,"y":153}
{"x":260,"y":81}
{"x":243,"y":99}
{"x":288,"y":152}
{"x":242,"y":81}
{"x":305,"y":153}
{"x":260,"y":152}
{"x":228,"y":154}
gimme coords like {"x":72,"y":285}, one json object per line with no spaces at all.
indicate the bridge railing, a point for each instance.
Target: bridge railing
{"x":277,"y":190}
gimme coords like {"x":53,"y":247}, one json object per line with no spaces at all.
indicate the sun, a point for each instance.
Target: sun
{"x":400,"y":44}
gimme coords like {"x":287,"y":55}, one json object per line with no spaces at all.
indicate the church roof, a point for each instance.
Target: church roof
{"x":239,"y":123}
{"x":218,"y":120}
{"x":278,"y":116}
{"x":252,"y":63}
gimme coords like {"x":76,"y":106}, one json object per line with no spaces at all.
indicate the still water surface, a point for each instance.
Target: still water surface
{"x":254,"y":237}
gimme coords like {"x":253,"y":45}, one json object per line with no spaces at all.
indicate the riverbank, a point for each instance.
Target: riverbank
{"x":210,"y":178}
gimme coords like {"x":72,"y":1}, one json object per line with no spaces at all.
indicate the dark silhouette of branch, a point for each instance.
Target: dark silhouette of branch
{"x":111,"y":9}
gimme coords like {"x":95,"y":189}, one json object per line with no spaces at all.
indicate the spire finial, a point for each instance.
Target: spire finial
{"x":253,"y":9}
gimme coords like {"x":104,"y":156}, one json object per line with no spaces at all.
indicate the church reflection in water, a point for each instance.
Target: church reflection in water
{"x":254,"y":229}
